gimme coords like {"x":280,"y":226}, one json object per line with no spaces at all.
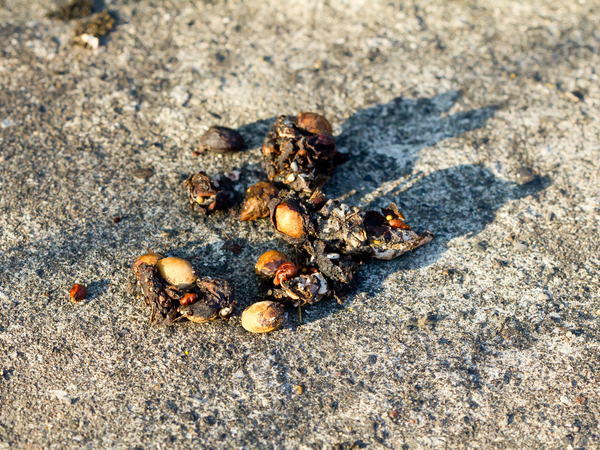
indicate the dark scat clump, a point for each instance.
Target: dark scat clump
{"x":204,"y":301}
{"x":302,"y":159}
{"x":207,"y":195}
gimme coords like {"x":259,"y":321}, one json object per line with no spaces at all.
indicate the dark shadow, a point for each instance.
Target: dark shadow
{"x":384,"y":141}
{"x":254,"y":133}
{"x":453,"y":202}
{"x":97,"y":288}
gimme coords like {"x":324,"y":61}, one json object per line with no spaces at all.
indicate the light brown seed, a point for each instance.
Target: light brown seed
{"x":289,"y":220}
{"x":177,"y":272}
{"x":315,"y":123}
{"x":263,"y":317}
{"x":149,"y":258}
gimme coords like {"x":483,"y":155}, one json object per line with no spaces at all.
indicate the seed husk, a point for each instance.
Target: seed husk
{"x":263,"y":317}
{"x":177,"y":272}
{"x":221,"y":140}
{"x":256,"y":203}
{"x":269,"y":262}
{"x":150,"y":258}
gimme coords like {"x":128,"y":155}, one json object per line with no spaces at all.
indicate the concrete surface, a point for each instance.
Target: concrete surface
{"x":479,"y":118}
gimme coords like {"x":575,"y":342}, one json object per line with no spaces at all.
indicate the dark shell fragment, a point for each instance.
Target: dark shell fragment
{"x":256,"y":203}
{"x":221,"y":140}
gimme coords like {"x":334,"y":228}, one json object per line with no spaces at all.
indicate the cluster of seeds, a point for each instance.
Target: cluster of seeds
{"x":332,"y":240}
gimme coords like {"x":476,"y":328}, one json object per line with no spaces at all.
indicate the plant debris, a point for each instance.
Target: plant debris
{"x":207,"y":195}
{"x":256,"y":202}
{"x":76,"y":9}
{"x":300,"y":152}
{"x":333,"y":242}
{"x":87,"y":32}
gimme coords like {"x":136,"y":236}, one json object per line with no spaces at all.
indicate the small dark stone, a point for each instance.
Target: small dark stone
{"x":142,"y":174}
{"x":209,"y":420}
{"x":221,"y":140}
{"x":188,"y":416}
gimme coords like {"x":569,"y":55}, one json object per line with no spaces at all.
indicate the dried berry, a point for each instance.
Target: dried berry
{"x":188,"y":299}
{"x":285,"y":272}
{"x":177,"y":272}
{"x":301,"y":158}
{"x":204,"y":194}
{"x":269,"y":262}
{"x":221,"y":140}
{"x":78,"y":292}
{"x":263,"y":317}
{"x":315,"y":123}
{"x":215,"y":299}
{"x":256,"y":203}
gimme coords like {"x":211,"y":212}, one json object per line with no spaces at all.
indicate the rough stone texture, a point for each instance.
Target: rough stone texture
{"x":479,"y":118}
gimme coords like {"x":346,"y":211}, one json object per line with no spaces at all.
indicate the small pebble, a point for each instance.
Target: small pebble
{"x":142,"y":174}
{"x":543,"y":297}
{"x":521,"y":247}
{"x":298,"y":389}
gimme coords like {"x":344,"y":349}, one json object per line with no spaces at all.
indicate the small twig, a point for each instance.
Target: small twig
{"x":300,"y":313}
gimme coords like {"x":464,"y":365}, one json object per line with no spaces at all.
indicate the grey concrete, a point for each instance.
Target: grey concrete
{"x":479,"y":117}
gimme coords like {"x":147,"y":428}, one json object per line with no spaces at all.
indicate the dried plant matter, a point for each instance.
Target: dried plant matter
{"x":207,"y":195}
{"x":87,"y":32}
{"x":256,"y":202}
{"x":300,"y":158}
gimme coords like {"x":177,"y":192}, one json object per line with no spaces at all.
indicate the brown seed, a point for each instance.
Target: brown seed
{"x":289,"y":219}
{"x":188,"y":299}
{"x":221,"y":140}
{"x":263,"y":317}
{"x":315,"y":123}
{"x":286,"y":271}
{"x":177,"y":272}
{"x":269,"y":262}
{"x":256,"y":203}
{"x":149,"y":258}
{"x":78,"y":292}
